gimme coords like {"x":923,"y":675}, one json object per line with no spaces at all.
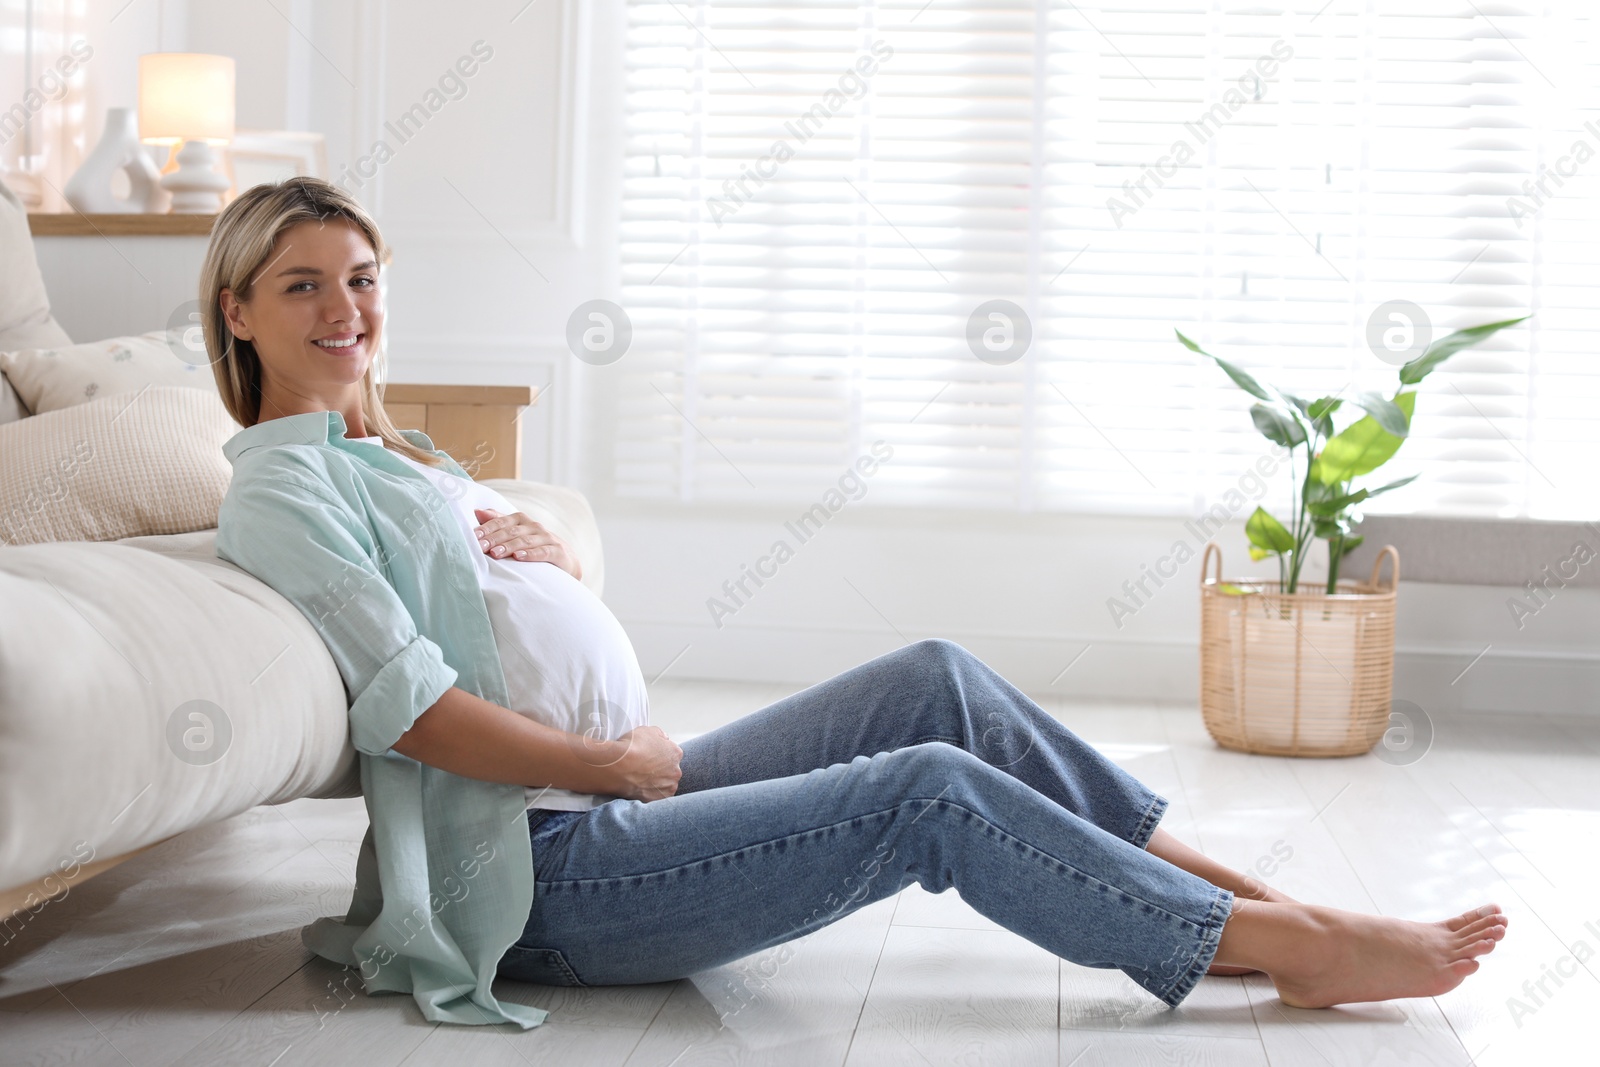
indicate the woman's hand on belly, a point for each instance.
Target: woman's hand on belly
{"x":517,"y":537}
{"x":649,"y":764}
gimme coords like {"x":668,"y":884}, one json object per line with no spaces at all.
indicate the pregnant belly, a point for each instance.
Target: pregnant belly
{"x":567,"y":660}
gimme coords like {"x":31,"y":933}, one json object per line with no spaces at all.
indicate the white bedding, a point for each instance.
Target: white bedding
{"x":105,"y":648}
{"x":103,"y":644}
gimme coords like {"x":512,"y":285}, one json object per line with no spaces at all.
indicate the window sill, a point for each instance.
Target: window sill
{"x":1463,"y":551}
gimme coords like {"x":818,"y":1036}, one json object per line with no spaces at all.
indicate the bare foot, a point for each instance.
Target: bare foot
{"x":1341,"y":957}
{"x":1254,"y":890}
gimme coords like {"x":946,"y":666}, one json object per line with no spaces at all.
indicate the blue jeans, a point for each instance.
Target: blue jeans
{"x":922,"y":765}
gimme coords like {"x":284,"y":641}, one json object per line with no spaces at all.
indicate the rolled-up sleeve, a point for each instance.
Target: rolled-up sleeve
{"x":296,"y":536}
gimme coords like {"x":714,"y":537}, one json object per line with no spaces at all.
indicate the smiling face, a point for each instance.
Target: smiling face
{"x":315,"y":318}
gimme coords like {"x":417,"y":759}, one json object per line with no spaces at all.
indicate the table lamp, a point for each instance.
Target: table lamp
{"x":186,"y":98}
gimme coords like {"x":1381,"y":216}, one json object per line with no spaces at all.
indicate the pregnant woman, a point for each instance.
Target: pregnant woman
{"x":528,"y":822}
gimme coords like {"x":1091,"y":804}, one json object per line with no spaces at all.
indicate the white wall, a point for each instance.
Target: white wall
{"x":1028,"y":594}
{"x":487,"y":205}
{"x":502,"y":212}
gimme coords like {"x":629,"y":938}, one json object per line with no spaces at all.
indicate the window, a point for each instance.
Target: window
{"x":818,"y":199}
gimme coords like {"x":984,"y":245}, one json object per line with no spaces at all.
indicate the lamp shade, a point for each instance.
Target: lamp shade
{"x":185,"y":96}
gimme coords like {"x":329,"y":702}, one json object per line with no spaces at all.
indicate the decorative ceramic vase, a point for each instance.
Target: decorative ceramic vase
{"x":90,"y":191}
{"x":196,"y":186}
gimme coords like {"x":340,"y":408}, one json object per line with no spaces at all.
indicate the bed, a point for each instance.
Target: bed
{"x":147,"y":687}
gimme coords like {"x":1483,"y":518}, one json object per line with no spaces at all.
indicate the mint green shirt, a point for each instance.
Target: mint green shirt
{"x":368,"y":550}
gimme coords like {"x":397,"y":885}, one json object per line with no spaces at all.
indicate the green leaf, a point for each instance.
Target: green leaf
{"x":1237,"y":590}
{"x":1361,"y":448}
{"x":1386,"y":411}
{"x":1328,"y":529}
{"x":1351,"y":544}
{"x":1330,"y":505}
{"x":1244,"y":380}
{"x":1240,"y":378}
{"x":1268,"y":533}
{"x":1445,"y":347}
{"x":1315,"y":493}
{"x":1259,"y":554}
{"x":1320,"y":412}
{"x":1323,"y":426}
{"x":1325,"y":406}
{"x":1277,"y":425}
{"x":1393,"y":485}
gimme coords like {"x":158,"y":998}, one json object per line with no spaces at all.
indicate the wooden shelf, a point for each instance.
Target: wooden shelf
{"x":130,"y":224}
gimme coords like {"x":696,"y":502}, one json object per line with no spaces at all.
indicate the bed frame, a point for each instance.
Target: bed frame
{"x":479,"y":425}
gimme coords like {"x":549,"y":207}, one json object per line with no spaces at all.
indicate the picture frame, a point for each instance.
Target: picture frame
{"x":256,"y":156}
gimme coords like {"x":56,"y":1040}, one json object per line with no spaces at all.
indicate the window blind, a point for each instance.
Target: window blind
{"x":818,"y":198}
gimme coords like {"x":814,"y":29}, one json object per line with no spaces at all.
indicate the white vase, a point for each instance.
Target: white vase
{"x":90,"y":190}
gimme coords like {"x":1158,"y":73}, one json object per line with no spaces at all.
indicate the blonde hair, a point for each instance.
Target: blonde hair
{"x":241,"y":240}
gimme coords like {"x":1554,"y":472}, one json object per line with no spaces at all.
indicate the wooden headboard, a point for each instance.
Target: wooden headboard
{"x":479,"y":425}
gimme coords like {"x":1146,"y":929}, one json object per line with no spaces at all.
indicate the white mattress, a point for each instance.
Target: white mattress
{"x":102,"y":647}
{"x":106,"y":647}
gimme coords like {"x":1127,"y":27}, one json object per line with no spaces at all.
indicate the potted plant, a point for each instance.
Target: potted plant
{"x":1283,"y":670}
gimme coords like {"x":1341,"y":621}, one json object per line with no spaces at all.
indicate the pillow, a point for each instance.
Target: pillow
{"x":25,"y":320}
{"x":120,"y":466}
{"x":49,"y":379}
{"x":11,"y":408}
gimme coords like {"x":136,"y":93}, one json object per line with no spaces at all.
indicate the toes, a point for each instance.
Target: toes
{"x":1472,"y":949}
{"x":1462,"y":968}
{"x":1466,"y":918}
{"x":1466,"y":944}
{"x":1494,"y":926}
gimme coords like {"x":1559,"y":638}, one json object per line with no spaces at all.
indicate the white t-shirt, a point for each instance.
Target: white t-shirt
{"x":567,"y":661}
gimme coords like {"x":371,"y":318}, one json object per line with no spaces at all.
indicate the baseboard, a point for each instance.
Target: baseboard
{"x":1550,"y":683}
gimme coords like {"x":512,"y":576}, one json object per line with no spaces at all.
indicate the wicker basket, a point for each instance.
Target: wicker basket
{"x":1296,"y":674}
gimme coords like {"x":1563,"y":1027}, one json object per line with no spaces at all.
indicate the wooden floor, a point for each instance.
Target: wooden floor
{"x":191,"y":954}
